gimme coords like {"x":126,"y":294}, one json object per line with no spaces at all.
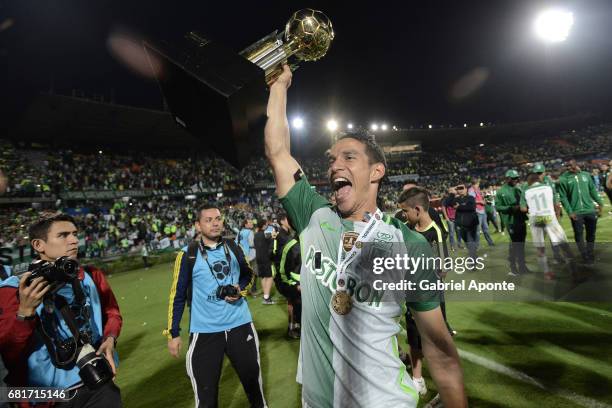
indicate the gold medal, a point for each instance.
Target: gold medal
{"x":341,"y":303}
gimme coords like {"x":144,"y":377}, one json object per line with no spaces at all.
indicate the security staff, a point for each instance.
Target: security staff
{"x":583,"y":204}
{"x":508,"y":205}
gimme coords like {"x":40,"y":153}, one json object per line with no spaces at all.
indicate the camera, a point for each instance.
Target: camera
{"x":227,"y":290}
{"x":270,"y":229}
{"x":94,"y":370}
{"x":59,"y":272}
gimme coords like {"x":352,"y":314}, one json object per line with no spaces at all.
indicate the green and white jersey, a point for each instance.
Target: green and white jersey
{"x":351,"y":360}
{"x":540,"y":199}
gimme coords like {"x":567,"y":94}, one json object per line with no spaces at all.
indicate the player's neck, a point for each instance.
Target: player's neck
{"x":360,"y":212}
{"x":423,"y":222}
{"x":210,"y":242}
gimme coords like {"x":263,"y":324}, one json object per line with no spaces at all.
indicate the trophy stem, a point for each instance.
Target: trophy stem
{"x":269,"y":54}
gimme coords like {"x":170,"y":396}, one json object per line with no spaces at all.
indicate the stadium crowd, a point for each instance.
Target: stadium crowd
{"x":118,"y":226}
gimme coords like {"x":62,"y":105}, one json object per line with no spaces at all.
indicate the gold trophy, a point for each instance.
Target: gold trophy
{"x":219,"y":95}
{"x":307,"y":36}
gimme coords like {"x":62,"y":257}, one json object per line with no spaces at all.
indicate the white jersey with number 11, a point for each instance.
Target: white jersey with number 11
{"x":540,"y":200}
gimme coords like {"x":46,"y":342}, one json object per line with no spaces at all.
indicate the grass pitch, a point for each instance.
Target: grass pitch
{"x":535,"y":354}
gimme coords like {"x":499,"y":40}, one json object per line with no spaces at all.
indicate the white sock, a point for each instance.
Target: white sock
{"x":543,"y":262}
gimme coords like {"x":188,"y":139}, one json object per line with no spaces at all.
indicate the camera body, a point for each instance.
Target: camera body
{"x":227,"y":290}
{"x":274,"y":227}
{"x":58,"y":273}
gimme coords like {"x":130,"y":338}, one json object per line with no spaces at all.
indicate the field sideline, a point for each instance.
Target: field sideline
{"x":551,"y":354}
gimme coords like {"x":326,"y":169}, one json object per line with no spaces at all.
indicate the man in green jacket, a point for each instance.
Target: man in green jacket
{"x":508,"y":206}
{"x":578,"y":196}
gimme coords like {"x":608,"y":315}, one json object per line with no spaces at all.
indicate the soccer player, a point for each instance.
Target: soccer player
{"x":578,"y":196}
{"x":349,"y":355}
{"x":544,"y":178}
{"x":415,"y":206}
{"x":508,"y":205}
{"x":539,"y":201}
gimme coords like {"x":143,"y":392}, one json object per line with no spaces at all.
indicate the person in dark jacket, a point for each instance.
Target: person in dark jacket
{"x":286,"y":263}
{"x":508,"y":205}
{"x":262,"y":258}
{"x":466,"y":219}
{"x":583,"y":204}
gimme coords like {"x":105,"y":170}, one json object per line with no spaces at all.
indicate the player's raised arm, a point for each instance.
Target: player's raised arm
{"x":442,"y":357}
{"x":277,"y":143}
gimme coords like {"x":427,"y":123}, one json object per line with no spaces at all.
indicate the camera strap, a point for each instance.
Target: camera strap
{"x":58,"y":302}
{"x":205,"y":257}
{"x":49,"y":340}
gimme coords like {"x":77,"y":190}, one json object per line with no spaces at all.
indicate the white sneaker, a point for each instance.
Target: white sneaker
{"x":420,"y":386}
{"x":436,"y":402}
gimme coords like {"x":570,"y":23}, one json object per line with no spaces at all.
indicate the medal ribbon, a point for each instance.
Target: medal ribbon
{"x":366,"y":235}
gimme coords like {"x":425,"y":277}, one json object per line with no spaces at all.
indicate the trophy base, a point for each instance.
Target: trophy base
{"x":216,"y":94}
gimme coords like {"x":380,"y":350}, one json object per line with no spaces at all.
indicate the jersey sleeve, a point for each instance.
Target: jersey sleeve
{"x":301,"y":202}
{"x":178,"y":294}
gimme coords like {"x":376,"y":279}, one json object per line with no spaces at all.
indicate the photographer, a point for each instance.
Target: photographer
{"x":54,"y":345}
{"x":213,"y":276}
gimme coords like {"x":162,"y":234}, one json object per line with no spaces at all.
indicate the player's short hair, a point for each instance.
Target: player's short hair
{"x":40,"y":228}
{"x":415,"y":196}
{"x":374,"y":152}
{"x":532,"y":178}
{"x":204,"y":207}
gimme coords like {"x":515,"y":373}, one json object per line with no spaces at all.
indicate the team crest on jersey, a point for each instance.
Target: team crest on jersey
{"x":348,"y":240}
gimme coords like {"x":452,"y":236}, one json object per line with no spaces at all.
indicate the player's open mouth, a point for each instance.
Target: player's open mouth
{"x":342,"y":187}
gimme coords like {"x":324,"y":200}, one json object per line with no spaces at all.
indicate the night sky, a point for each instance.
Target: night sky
{"x":398,"y":62}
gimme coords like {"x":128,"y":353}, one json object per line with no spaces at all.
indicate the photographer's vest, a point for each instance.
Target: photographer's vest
{"x":41,"y":370}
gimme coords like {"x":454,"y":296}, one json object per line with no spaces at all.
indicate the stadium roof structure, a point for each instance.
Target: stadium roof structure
{"x":59,"y":120}
{"x":438,"y":138}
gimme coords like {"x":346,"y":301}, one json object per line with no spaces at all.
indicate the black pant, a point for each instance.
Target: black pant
{"x":205,"y":361}
{"x":516,"y":254}
{"x":108,"y":396}
{"x":469,"y":235}
{"x":588,"y":222}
